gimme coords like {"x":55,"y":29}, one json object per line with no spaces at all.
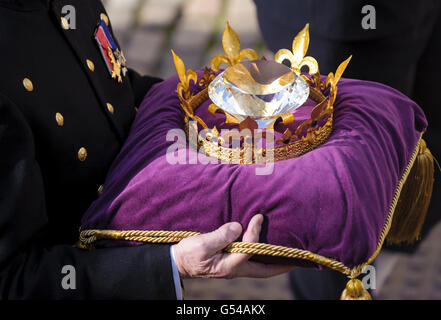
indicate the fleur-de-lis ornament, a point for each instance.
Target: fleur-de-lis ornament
{"x":297,"y":57}
{"x":206,"y":78}
{"x":183,"y":88}
{"x":233,"y":54}
{"x":334,"y":79}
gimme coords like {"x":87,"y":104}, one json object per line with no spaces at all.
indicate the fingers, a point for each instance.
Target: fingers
{"x":220,"y":238}
{"x":253,"y":231}
{"x":199,"y":256}
{"x":251,"y":235}
{"x":229,"y":232}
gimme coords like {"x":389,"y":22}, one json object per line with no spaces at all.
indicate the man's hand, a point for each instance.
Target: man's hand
{"x":201,"y":256}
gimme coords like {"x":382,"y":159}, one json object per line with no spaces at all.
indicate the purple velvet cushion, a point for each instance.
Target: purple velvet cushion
{"x":332,"y":201}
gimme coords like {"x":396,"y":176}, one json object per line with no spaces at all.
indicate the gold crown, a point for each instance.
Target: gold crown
{"x":308,"y":135}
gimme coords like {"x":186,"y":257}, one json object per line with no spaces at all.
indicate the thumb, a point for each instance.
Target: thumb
{"x":220,"y":238}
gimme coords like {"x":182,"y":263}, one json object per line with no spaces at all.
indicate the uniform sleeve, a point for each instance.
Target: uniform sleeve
{"x":29,"y":269}
{"x":141,"y":84}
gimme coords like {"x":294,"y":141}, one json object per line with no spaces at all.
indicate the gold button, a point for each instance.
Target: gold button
{"x":104,"y":17}
{"x":60,"y":119}
{"x":27,"y":83}
{"x":136,"y":109}
{"x":82,"y":154}
{"x":64,"y":23}
{"x":110,"y":108}
{"x":90,"y":65}
{"x":100,"y":190}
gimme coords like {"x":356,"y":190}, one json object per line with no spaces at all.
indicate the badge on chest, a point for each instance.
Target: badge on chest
{"x":112,"y":55}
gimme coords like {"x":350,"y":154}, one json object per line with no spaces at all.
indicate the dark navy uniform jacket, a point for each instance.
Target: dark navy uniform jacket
{"x":63,"y":120}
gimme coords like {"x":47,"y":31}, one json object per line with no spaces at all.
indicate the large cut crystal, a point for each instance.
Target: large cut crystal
{"x":260,"y":89}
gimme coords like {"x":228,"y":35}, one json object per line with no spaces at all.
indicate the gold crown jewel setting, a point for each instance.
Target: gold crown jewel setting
{"x":258,"y":94}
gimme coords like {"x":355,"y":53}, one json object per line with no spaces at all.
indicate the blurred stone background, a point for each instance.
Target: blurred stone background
{"x":147,"y":30}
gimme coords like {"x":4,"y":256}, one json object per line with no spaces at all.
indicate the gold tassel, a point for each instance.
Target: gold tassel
{"x":414,"y":199}
{"x":355,"y":291}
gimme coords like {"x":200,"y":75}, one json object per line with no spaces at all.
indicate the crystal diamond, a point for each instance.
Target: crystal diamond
{"x":260,"y":89}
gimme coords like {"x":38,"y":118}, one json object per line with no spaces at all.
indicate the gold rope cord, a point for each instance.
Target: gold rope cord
{"x":386,"y":227}
{"x":89,"y":237}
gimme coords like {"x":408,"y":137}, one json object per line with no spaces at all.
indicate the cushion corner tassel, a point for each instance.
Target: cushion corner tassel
{"x":414,"y":198}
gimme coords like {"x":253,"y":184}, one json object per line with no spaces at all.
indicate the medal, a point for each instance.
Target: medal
{"x":112,"y":55}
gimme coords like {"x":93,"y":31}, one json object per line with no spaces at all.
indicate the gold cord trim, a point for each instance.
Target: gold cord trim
{"x":89,"y":237}
{"x":356,"y":271}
